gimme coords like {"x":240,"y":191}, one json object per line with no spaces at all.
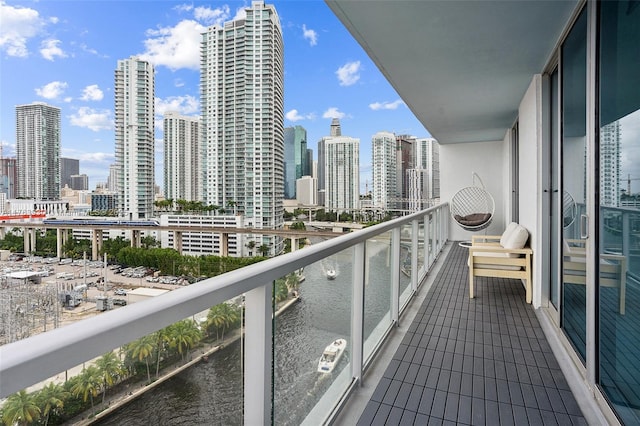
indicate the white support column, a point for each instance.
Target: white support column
{"x":94,"y":244}
{"x":395,"y":274}
{"x":357,"y":312}
{"x":257,"y":356}
{"x":294,"y":244}
{"x":59,"y":243}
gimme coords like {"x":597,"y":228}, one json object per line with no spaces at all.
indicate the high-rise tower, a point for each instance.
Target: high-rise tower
{"x":181,"y":157}
{"x":295,"y":158}
{"x":134,"y":131}
{"x":242,"y":95}
{"x":385,"y":176}
{"x":38,"y":151}
{"x":341,"y":158}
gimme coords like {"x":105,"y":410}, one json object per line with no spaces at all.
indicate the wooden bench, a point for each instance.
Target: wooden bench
{"x":613,"y":270}
{"x":488,"y":258}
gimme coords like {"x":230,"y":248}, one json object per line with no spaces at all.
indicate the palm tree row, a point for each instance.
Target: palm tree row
{"x":69,"y":399}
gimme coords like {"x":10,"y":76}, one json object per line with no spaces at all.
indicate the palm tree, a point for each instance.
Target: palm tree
{"x":20,"y":409}
{"x":110,"y":368}
{"x":222,"y":317}
{"x":184,"y":335}
{"x":264,"y":250}
{"x":141,"y":350}
{"x":88,"y":384}
{"x":162,"y":338}
{"x":50,"y":399}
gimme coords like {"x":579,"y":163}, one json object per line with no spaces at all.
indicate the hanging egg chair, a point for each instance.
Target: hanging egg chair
{"x":472,"y":207}
{"x":569,"y":209}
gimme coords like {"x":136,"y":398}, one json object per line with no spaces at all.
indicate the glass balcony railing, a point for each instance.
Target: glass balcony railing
{"x":305,"y":327}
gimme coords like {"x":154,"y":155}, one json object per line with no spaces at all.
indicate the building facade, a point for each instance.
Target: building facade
{"x":242,"y":95}
{"x":295,"y":158}
{"x":385,"y":177}
{"x":134,"y":133}
{"x":68,"y":168}
{"x":182,"y":170}
{"x":306,"y":191}
{"x":427,"y":157}
{"x":38,"y":151}
{"x":342,"y":173}
{"x":8,"y":177}
{"x":79,"y":182}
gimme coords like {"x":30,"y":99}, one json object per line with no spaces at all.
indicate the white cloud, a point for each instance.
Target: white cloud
{"x":386,"y":105}
{"x":310,"y":35}
{"x":92,"y":119}
{"x":349,"y":73}
{"x":333,"y":112}
{"x":52,"y":90}
{"x":19,"y":24}
{"x":185,"y":105}
{"x":67,"y":99}
{"x":8,"y":148}
{"x":50,"y":48}
{"x":95,"y":157}
{"x":212,"y":16}
{"x":294,"y":116}
{"x":175,"y":47}
{"x":183,"y":8}
{"x":92,"y":93}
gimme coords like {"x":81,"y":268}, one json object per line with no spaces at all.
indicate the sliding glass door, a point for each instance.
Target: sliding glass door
{"x":619,"y":213}
{"x":573,"y":194}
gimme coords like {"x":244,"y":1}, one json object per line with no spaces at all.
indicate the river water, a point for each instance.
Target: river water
{"x":211,"y":393}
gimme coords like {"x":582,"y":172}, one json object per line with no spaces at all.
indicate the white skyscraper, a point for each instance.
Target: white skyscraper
{"x":38,"y":151}
{"x":134,"y":131}
{"x":610,"y":165}
{"x":427,"y":157}
{"x":342,"y":173}
{"x":182,"y":171}
{"x":242,"y":95}
{"x":385,"y":176}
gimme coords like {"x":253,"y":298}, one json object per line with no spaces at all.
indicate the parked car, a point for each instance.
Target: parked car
{"x":120,"y":292}
{"x":120,"y":302}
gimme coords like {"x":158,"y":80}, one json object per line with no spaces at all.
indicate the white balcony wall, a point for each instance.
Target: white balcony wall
{"x":532,"y":165}
{"x":458,"y":162}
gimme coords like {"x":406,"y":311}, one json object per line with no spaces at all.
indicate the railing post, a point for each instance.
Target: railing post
{"x":414,"y":255}
{"x":258,"y":356}
{"x":357,"y":312}
{"x":626,"y":232}
{"x":395,"y":274}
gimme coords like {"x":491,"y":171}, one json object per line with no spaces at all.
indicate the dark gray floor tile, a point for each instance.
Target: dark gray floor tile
{"x":380,"y":419}
{"x":414,"y":398}
{"x":403,"y":395}
{"x":408,"y":418}
{"x":395,"y":415}
{"x":439,"y":404}
{"x":506,"y":414}
{"x":392,"y":392}
{"x":381,"y":389}
{"x":426,"y":402}
{"x":369,"y":413}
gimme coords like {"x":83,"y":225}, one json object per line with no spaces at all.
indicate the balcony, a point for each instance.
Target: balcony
{"x":418,"y":347}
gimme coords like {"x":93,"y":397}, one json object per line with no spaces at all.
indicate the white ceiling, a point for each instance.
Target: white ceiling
{"x":462,"y":67}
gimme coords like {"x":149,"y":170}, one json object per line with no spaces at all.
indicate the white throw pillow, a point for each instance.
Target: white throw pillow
{"x":507,"y":233}
{"x":517,"y":239}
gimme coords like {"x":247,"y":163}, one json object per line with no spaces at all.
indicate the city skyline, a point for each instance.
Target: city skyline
{"x":75,"y":42}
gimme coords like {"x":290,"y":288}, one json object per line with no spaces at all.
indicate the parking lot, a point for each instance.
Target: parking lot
{"x":68,"y":274}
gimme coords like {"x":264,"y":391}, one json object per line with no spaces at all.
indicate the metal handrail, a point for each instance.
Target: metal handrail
{"x":37,"y":358}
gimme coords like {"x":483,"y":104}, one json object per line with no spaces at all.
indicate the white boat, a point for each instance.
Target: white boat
{"x":331,"y":356}
{"x":331,"y":274}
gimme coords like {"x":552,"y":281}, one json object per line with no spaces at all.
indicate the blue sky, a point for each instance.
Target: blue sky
{"x":64,"y":53}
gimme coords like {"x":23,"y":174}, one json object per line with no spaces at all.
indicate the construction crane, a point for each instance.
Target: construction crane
{"x":628,"y":180}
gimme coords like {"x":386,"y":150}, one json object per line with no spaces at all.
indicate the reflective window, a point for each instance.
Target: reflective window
{"x":619,"y":213}
{"x":573,"y":164}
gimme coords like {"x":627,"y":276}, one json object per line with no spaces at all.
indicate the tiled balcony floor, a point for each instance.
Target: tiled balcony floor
{"x":482,"y":361}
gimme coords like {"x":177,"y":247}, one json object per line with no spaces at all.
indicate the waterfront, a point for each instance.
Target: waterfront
{"x":210,"y":393}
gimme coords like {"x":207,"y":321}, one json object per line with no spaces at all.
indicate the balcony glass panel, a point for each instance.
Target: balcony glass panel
{"x":377,"y":291}
{"x":406,"y":253}
{"x":574,"y":83}
{"x":421,"y":252}
{"x":315,"y":327}
{"x":619,"y":222}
